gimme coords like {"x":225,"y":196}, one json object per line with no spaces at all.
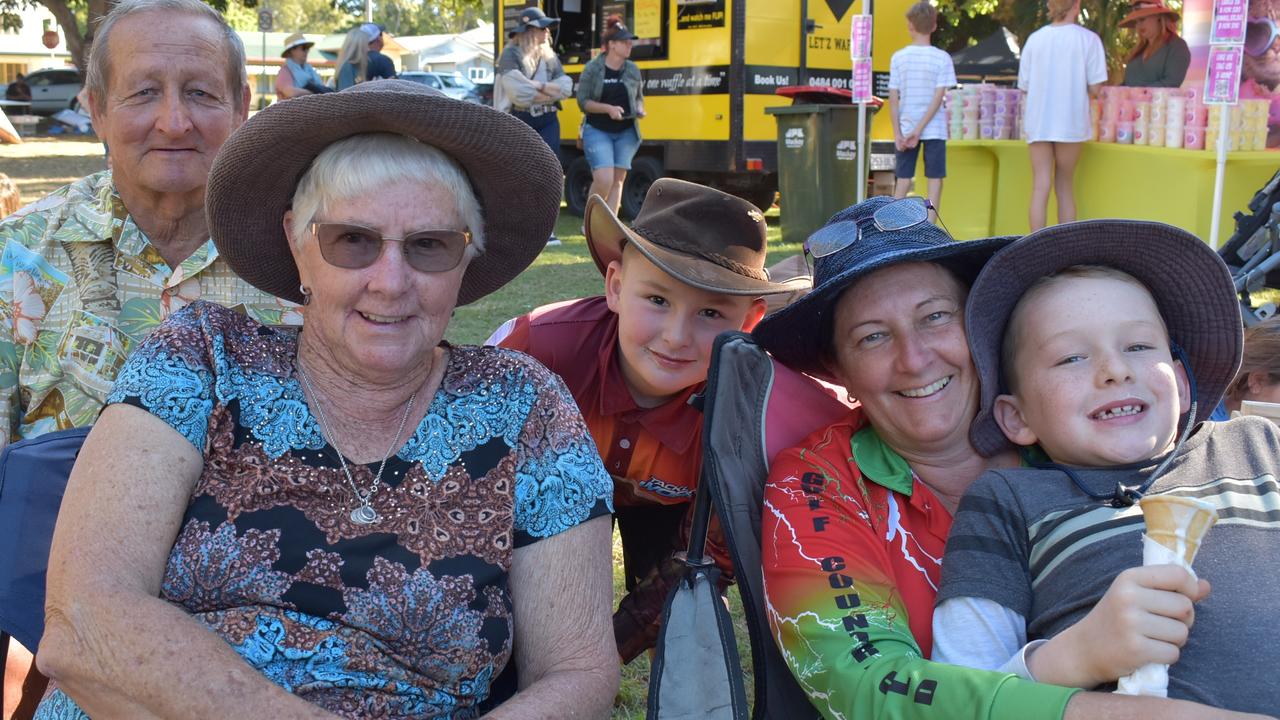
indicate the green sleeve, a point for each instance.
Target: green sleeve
{"x":840,"y":621}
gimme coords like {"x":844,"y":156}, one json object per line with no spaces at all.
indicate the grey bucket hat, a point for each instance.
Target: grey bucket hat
{"x":256,"y":172}
{"x":1191,"y":285}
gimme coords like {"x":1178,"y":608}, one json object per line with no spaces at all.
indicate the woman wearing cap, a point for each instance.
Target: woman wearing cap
{"x":353,"y":60}
{"x":1161,"y":57}
{"x":297,"y":78}
{"x":856,"y":517}
{"x":611,"y":93}
{"x":531,"y":82}
{"x":358,"y":520}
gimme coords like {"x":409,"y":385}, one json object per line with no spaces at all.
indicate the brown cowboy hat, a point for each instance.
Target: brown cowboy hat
{"x":702,"y":237}
{"x":1139,"y":9}
{"x":257,"y":170}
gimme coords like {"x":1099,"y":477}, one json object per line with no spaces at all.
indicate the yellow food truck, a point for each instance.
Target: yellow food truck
{"x":711,"y":67}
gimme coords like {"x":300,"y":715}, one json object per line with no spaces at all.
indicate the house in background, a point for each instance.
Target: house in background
{"x":22,"y":51}
{"x":469,"y":54}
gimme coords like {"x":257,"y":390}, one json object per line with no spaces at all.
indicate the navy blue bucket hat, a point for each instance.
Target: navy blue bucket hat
{"x":794,"y":334}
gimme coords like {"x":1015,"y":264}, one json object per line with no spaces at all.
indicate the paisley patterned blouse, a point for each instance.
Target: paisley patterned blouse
{"x":409,"y":617}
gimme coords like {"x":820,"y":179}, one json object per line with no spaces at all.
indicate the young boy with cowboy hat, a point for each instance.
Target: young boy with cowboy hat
{"x":1104,"y":346}
{"x":691,"y":266}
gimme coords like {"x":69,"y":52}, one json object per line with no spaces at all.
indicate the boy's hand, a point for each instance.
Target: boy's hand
{"x":1144,"y":617}
{"x":900,"y":141}
{"x":912,"y":140}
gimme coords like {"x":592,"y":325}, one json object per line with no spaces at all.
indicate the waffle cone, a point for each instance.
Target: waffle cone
{"x":1178,"y":523}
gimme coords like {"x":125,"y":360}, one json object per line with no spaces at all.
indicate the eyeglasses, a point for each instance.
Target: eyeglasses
{"x":1259,"y":34}
{"x":898,"y":215}
{"x":356,"y":247}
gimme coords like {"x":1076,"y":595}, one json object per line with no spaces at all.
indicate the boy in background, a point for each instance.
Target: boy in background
{"x":691,"y":267}
{"x":919,"y":75}
{"x":1104,"y":346}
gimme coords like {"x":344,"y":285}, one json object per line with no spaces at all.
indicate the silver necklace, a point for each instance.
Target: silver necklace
{"x":364,"y":514}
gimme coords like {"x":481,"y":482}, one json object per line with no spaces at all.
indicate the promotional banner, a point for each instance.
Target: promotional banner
{"x":1258,"y":54}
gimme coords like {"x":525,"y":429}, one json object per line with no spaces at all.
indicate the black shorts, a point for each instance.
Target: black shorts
{"x":935,"y":160}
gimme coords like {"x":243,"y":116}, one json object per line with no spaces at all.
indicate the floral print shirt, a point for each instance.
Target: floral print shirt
{"x":80,"y":287}
{"x":409,"y":617}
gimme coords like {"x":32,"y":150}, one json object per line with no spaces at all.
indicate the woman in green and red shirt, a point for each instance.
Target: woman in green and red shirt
{"x":856,"y":517}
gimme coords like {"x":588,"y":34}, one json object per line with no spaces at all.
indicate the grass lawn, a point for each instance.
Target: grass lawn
{"x":565,"y":272}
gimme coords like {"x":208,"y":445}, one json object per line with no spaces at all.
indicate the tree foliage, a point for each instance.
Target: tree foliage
{"x":78,"y":18}
{"x":964,"y":22}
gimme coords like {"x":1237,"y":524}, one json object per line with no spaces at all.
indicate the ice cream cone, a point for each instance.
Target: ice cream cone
{"x":1178,"y":523}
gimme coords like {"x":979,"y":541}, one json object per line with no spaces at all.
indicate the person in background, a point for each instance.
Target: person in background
{"x":380,"y":66}
{"x":691,"y":267}
{"x":296,"y":77}
{"x":353,"y":60}
{"x":88,"y":272}
{"x":919,"y":75}
{"x":530,"y":81}
{"x":1259,"y":375}
{"x":1161,"y":57}
{"x":18,"y":90}
{"x":1062,"y":66}
{"x":611,"y":94}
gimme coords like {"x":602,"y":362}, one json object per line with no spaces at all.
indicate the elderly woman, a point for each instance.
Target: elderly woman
{"x":1161,"y":57}
{"x":857,"y":516}
{"x":359,"y":520}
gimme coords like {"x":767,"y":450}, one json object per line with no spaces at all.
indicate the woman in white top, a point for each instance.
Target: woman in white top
{"x":1062,"y":67}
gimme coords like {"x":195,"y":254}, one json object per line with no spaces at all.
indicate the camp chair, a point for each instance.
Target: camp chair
{"x":33,"y":475}
{"x":753,"y":408}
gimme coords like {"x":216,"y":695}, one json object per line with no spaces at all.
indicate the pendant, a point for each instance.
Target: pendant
{"x":364,"y":515}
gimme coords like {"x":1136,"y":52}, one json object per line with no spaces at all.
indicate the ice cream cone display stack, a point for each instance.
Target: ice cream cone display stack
{"x":983,"y":112}
{"x":1248,"y":128}
{"x":1176,"y":527}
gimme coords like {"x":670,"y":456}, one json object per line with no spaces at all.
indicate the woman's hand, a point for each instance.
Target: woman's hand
{"x":615,"y":112}
{"x":1144,"y":617}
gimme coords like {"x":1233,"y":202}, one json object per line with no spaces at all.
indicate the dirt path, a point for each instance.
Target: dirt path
{"x":42,"y":164}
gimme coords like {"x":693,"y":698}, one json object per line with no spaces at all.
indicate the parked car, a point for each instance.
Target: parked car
{"x":451,"y":84}
{"x":53,"y":90}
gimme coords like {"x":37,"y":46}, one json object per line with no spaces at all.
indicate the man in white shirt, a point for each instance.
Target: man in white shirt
{"x":919,"y":75}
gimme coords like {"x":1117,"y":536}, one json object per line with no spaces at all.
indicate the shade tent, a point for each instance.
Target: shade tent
{"x":995,"y":55}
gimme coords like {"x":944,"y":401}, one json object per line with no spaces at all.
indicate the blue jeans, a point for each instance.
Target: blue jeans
{"x":547,"y":125}
{"x":609,"y":149}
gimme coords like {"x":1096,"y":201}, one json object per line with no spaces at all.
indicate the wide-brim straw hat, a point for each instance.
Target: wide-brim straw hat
{"x":795,"y":334}
{"x":1147,"y":8}
{"x":293,"y":41}
{"x":1191,"y":285}
{"x":701,"y":236}
{"x":516,"y":178}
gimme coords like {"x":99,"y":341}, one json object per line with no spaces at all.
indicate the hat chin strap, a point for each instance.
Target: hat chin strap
{"x":1125,"y":496}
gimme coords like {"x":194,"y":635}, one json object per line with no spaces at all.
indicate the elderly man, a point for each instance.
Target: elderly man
{"x":90,"y":270}
{"x":380,"y":66}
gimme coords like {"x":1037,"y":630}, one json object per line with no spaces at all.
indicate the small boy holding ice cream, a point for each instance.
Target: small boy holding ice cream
{"x":1102,"y":347}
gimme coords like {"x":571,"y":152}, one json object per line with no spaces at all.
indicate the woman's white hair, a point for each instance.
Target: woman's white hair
{"x":360,"y":164}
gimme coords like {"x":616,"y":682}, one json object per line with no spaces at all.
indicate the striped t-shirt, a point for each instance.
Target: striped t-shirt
{"x":916,"y":72}
{"x":1032,"y":541}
